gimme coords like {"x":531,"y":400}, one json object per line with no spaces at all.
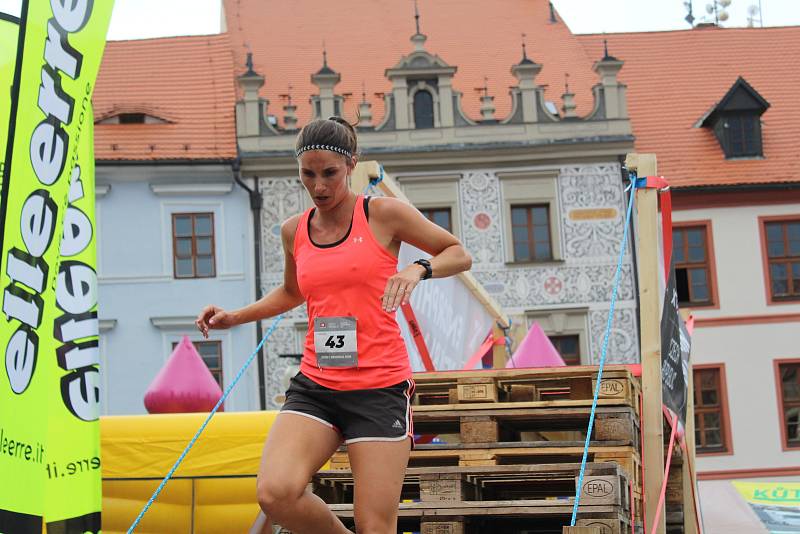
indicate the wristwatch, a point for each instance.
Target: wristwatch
{"x":428,"y":271}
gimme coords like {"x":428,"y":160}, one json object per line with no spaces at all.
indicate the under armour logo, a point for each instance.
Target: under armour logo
{"x":358,"y":240}
{"x":397,"y":424}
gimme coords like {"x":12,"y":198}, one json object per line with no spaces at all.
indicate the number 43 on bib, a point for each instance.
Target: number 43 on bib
{"x":335,"y":341}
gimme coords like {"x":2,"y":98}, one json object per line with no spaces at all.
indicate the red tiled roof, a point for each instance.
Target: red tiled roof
{"x":187,"y":81}
{"x":363,"y":39}
{"x":674,"y":78}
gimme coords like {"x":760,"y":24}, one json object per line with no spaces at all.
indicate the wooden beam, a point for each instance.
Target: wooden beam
{"x":651,"y":300}
{"x":690,"y":519}
{"x":367,"y":170}
{"x":499,"y":352}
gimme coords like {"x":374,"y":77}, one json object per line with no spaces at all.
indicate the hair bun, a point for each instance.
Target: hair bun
{"x":340,"y":120}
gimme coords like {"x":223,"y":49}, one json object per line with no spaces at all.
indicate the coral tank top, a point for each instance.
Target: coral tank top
{"x":347,"y":279}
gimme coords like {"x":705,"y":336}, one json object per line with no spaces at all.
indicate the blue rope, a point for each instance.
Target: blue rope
{"x":635,"y":183}
{"x":370,"y":188}
{"x":205,"y":423}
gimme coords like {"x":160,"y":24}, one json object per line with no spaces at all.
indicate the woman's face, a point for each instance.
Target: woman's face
{"x":324,"y":175}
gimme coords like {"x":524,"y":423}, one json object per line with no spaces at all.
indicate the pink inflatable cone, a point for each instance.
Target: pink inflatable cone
{"x":536,"y":350}
{"x":184,"y":384}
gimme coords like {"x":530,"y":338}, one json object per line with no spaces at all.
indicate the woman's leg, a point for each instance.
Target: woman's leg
{"x":296,"y":447}
{"x":379,"y":468}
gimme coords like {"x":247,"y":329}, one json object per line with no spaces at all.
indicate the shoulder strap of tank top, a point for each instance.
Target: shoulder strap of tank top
{"x":301,"y":232}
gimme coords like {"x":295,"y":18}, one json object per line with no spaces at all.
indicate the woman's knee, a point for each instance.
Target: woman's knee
{"x":371,"y":524}
{"x":276,"y":496}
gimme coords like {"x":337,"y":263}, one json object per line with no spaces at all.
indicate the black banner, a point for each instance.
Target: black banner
{"x":675,"y":347}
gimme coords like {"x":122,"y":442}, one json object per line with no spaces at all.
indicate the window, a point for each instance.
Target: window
{"x":567,"y":330}
{"x":569,"y":347}
{"x":211,"y":352}
{"x":789,"y":402}
{"x":131,"y":118}
{"x":423,"y":109}
{"x":691,"y":248}
{"x":782,"y":259}
{"x":530,"y":230}
{"x":711,"y":431}
{"x":531,"y":219}
{"x":436,"y":197}
{"x":193,"y":245}
{"x":743,"y":135}
{"x":440,"y":216}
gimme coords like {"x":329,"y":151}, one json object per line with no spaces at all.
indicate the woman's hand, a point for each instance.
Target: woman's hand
{"x":399,"y":287}
{"x":214,"y":317}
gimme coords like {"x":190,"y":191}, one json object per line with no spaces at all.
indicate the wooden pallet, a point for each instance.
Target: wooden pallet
{"x":618,"y":387}
{"x":603,"y":483}
{"x":482,"y":454}
{"x":497,"y":517}
{"x":492,"y":422}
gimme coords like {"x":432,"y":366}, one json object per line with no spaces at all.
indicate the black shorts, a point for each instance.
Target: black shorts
{"x":382,"y":414}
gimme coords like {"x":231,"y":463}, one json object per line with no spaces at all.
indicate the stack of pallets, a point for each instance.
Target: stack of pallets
{"x":507,"y":454}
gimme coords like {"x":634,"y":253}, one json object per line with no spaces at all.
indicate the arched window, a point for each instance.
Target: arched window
{"x":423,"y":109}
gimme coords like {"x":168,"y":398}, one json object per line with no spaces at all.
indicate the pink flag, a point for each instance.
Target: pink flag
{"x":536,"y":350}
{"x":184,"y":384}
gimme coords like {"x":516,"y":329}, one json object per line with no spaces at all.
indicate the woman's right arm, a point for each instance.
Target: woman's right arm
{"x":281,"y":299}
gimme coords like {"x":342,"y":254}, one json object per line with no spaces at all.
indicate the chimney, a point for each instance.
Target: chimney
{"x":487,"y":108}
{"x":526,"y":71}
{"x":487,"y":101}
{"x":289,"y":109}
{"x":569,"y":101}
{"x":248,"y":110}
{"x":326,"y":103}
{"x":613,"y":92}
{"x":364,"y":110}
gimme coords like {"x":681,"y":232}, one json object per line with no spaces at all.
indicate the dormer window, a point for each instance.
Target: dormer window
{"x":736,"y":121}
{"x":131,"y":118}
{"x":133,"y":114}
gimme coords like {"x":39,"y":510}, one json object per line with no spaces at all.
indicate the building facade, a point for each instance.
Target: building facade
{"x":174,"y":229}
{"x":725,"y":136}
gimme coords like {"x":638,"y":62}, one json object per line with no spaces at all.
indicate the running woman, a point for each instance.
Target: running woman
{"x":355,"y":382}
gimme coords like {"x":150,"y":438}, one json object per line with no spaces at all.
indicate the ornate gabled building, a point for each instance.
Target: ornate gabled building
{"x":536,"y":194}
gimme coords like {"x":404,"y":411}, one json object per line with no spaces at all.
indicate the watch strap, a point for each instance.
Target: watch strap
{"x":427,"y":265}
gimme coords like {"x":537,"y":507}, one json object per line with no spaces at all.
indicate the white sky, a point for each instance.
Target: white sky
{"x":137,"y":19}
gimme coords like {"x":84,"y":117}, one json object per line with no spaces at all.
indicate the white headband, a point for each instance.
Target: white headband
{"x":323,"y":147}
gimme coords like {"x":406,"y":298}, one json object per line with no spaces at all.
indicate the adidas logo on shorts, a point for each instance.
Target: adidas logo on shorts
{"x":397,"y":424}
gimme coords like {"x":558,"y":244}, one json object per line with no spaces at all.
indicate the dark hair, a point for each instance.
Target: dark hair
{"x":333,"y":131}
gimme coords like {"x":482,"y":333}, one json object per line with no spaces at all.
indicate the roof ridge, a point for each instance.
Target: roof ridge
{"x":687,"y":30}
{"x":170,"y":38}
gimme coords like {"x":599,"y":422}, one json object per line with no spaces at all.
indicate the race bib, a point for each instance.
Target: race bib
{"x":335,"y":341}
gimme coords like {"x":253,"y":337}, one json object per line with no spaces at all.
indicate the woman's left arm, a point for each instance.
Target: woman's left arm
{"x":407,"y":224}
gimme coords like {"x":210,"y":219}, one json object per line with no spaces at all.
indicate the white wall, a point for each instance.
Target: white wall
{"x":747,"y":350}
{"x":737,"y":247}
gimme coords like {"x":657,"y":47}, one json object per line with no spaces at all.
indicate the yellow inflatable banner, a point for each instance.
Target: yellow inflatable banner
{"x":49,"y":384}
{"x":9,"y":29}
